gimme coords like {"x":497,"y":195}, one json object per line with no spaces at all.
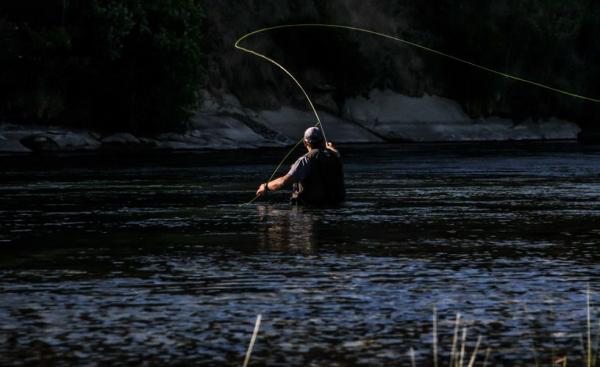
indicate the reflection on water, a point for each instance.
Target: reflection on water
{"x":287,"y":228}
{"x":150,"y":259}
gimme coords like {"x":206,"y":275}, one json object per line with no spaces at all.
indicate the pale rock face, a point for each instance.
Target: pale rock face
{"x":387,"y":106}
{"x":559,"y":129}
{"x":226,"y":128}
{"x":292,"y":122}
{"x":75,"y":141}
{"x":431,"y":118}
{"x":121,"y":139}
{"x":21,"y":139}
{"x":214,"y":131}
{"x":183,"y":142}
{"x":13,"y":146}
{"x":223,"y":123}
{"x":12,"y":137}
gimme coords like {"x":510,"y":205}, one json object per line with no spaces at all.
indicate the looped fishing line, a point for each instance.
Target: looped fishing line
{"x":397,"y":39}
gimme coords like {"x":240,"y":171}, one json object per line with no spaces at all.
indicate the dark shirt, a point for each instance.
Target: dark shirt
{"x":300,"y":169}
{"x":318,"y":178}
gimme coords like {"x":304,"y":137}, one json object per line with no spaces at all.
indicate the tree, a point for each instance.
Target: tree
{"x":126,"y":65}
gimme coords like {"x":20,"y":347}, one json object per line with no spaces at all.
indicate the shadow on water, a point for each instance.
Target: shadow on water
{"x":151,"y":260}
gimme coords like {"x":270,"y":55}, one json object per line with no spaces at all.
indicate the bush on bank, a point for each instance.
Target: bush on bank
{"x":128,"y":65}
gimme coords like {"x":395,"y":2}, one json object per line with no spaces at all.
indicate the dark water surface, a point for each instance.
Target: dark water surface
{"x":148,"y":259}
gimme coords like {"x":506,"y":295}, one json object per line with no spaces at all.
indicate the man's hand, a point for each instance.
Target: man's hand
{"x":275,"y":185}
{"x":262,"y":190}
{"x":331,"y":147}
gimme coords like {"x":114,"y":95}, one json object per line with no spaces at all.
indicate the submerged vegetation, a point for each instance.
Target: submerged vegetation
{"x":110,"y":65}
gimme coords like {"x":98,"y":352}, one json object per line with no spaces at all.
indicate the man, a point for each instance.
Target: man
{"x":317,"y":176}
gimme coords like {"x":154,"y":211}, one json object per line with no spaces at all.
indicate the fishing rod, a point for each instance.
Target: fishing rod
{"x":387,"y":36}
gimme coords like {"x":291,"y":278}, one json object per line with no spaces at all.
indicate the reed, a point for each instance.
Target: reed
{"x":589,"y":330}
{"x":475,"y":351}
{"x":252,"y":340}
{"x":597,"y":344}
{"x":458,"y":352}
{"x":454,"y":340}
{"x":435,"y":338}
{"x":488,"y":351}
{"x":463,"y":340}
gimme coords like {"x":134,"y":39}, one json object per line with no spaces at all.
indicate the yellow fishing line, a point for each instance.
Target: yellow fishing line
{"x":397,"y":39}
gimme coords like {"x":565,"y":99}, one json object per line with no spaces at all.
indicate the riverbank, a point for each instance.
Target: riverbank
{"x":223,"y":123}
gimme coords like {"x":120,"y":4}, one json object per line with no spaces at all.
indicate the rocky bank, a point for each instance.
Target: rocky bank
{"x":367,"y":89}
{"x":222,"y":122}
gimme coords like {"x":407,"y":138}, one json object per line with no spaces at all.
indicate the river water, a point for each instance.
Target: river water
{"x":129,"y":259}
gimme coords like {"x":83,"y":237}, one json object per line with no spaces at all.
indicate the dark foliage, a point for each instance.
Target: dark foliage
{"x":548,"y":41}
{"x":136,"y":64}
{"x":128,"y":65}
{"x":553,"y":42}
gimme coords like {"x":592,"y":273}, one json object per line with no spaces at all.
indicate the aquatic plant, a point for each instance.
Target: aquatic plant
{"x":459,"y":355}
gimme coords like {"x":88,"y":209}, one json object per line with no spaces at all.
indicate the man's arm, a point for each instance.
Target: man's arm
{"x":275,"y":185}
